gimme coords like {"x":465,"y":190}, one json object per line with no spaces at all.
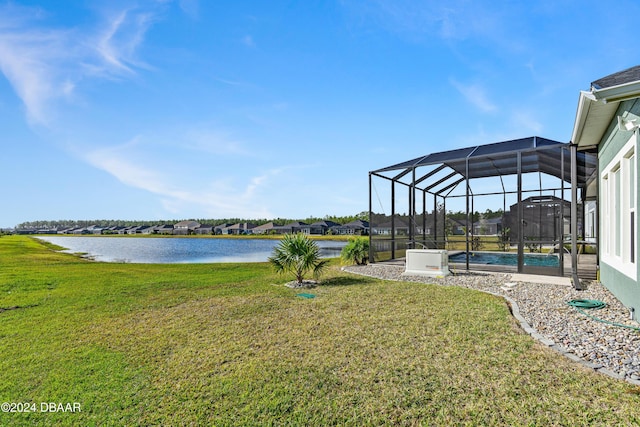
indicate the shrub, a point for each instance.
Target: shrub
{"x":356,"y":251}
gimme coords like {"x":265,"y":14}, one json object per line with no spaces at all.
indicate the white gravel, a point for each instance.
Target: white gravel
{"x":544,"y":307}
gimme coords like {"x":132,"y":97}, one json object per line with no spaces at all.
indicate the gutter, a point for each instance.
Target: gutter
{"x":617,"y":93}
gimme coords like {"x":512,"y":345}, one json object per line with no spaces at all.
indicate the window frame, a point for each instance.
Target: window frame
{"x":618,"y":198}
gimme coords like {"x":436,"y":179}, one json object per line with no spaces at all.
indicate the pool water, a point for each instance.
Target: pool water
{"x":499,"y":258}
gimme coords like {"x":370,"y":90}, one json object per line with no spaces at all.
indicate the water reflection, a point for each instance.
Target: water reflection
{"x":165,"y":250}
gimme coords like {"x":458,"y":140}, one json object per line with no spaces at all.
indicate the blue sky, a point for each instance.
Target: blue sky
{"x":145,"y":110}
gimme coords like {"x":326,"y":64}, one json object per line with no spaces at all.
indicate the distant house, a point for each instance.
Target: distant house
{"x":144,"y":229}
{"x":458,"y":227}
{"x":163,"y":229}
{"x":400,"y":227}
{"x":267,"y":228}
{"x":41,"y":231}
{"x":357,"y":227}
{"x":322,"y":227}
{"x":239,"y":228}
{"x":94,"y":229}
{"x":204,"y":230}
{"x":111,"y":230}
{"x":221,"y":228}
{"x":185,"y":227}
{"x":131,"y":230}
{"x":290,"y":228}
{"x":488,"y":227}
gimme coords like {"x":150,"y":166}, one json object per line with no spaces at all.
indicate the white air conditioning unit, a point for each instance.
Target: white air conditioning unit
{"x":426,"y":262}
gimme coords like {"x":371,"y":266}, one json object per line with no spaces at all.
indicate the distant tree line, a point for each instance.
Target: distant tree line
{"x":475,"y":216}
{"x":50,"y":224}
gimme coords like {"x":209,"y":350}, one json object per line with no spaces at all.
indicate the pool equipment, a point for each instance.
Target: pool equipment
{"x":427,"y":262}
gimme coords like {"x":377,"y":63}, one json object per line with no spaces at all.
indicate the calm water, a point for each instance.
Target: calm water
{"x":507,"y":259}
{"x":178,"y":249}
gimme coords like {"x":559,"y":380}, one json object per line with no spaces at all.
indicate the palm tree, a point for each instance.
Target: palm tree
{"x":297,"y":254}
{"x":356,"y":251}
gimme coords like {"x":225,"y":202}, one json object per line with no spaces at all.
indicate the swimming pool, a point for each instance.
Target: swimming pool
{"x":501,"y":258}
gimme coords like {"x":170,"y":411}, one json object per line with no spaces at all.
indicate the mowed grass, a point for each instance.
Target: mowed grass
{"x":227,"y":344}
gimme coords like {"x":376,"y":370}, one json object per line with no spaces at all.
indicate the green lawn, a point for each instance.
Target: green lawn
{"x":227,"y":344}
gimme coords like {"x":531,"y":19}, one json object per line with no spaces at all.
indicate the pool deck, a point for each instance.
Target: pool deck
{"x":587,"y":269}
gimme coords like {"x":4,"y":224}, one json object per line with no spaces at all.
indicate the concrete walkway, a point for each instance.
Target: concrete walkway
{"x":534,"y":278}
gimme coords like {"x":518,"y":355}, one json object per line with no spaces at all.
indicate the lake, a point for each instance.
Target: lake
{"x":170,"y":250}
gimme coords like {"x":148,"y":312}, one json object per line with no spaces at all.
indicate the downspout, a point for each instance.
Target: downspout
{"x":574,"y":218}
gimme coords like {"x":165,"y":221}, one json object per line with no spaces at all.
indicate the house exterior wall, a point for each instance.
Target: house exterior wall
{"x":618,"y":187}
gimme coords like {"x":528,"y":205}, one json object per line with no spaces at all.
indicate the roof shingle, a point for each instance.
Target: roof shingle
{"x":621,"y":77}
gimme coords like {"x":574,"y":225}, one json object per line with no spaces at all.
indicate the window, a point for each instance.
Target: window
{"x":606,"y":214}
{"x":631,"y":165}
{"x":618,"y":206}
{"x":617,"y":238}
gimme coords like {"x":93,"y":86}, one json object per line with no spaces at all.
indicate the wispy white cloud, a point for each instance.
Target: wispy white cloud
{"x":43,"y":64}
{"x":213,"y":142}
{"x":526,"y":122}
{"x":119,"y":40}
{"x":222,"y":197}
{"x":34,"y":64}
{"x":476,"y":95}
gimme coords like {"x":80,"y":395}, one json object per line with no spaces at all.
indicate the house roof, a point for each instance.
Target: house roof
{"x":241,"y":226}
{"x":621,"y":77}
{"x":597,"y":107}
{"x":325,"y":223}
{"x":296,"y":224}
{"x":187,"y":224}
{"x":358,"y":223}
{"x":267,"y":226}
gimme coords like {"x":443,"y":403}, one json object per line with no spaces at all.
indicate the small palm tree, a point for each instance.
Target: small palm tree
{"x":297,"y":254}
{"x":356,"y":251}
